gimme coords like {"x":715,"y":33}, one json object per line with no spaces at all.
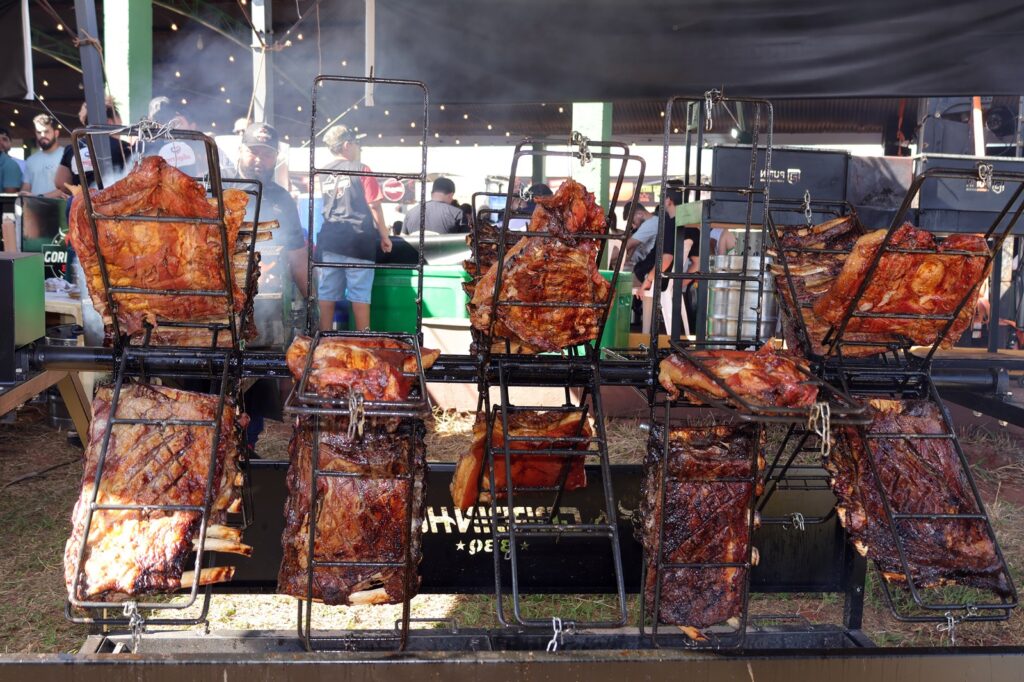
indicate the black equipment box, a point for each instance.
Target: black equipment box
{"x":821,"y":172}
{"x":957,"y":205}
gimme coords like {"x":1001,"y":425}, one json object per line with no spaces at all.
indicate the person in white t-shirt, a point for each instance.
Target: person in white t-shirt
{"x":41,"y":166}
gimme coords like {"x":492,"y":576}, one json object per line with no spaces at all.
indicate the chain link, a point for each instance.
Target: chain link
{"x":952,"y":621}
{"x":808,"y":213}
{"x":711,"y":98}
{"x":356,"y":414}
{"x":985,"y":171}
{"x":136,"y":623}
{"x":820,"y":422}
{"x":556,"y":636}
{"x":582,"y":143}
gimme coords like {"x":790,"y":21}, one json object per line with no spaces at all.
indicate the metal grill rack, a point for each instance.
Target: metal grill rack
{"x":1010,"y":182}
{"x":704,"y":117}
{"x":511,"y":534}
{"x":132,"y":363}
{"x":309,"y":405}
{"x":723,"y":636}
{"x":918,"y":608}
{"x":147,"y":132}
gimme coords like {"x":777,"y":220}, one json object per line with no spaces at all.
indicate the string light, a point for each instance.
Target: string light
{"x":286,"y":137}
{"x":16,"y":112}
{"x":412,"y":124}
{"x":465,"y":116}
{"x":380,"y":136}
{"x":298,"y":108}
{"x":287,"y":43}
{"x":60,"y":27}
{"x":356,"y":129}
{"x":458,"y":141}
{"x":299,"y":36}
{"x":222,"y":88}
{"x":344,"y":62}
{"x":475,"y":144}
{"x":231,"y":58}
{"x":184,"y":101}
{"x":227,"y":100}
{"x":355,"y":106}
{"x":387,"y":113}
{"x":436,"y":135}
{"x":402,"y":140}
{"x":174,"y":27}
{"x":442,"y":107}
{"x":508,"y":134}
{"x":213,"y":125}
{"x":12,"y":124}
{"x":675,"y":130}
{"x":177,"y":74}
{"x":561,"y":110}
{"x":490,"y":127}
{"x":41,"y":97}
{"x":662,"y":114}
{"x":46,"y":83}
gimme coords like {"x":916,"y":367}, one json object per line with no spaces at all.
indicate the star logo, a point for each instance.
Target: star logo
{"x":459,"y":546}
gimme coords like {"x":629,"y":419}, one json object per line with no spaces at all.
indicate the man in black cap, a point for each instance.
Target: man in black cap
{"x":353,"y":227}
{"x":286,"y":251}
{"x":440,"y":215}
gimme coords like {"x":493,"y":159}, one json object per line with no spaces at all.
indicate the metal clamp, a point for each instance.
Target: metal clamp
{"x":798,"y":521}
{"x":985,"y":171}
{"x":820,"y":422}
{"x":808,"y":213}
{"x":582,"y":142}
{"x":952,"y":621}
{"x":556,"y":636}
{"x":136,"y":622}
{"x":356,"y":414}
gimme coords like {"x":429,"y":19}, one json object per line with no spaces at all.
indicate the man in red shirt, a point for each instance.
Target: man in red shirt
{"x":353,"y":226}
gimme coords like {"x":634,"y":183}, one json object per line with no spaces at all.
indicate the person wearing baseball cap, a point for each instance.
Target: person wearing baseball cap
{"x":352,"y":228}
{"x":439,"y":216}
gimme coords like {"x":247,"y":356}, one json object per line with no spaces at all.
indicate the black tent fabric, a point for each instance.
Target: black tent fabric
{"x":600,"y":50}
{"x":13,"y":80}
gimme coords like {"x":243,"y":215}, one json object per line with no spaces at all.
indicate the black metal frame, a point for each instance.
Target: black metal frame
{"x":919,"y":385}
{"x":145,"y":131}
{"x":713,"y":639}
{"x":996,"y":234}
{"x":227,"y":385}
{"x":699,"y":119}
{"x":315,"y":263}
{"x":309,"y":405}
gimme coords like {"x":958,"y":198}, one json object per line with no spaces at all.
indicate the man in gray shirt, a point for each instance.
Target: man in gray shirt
{"x":645,"y":233}
{"x":441,"y":216}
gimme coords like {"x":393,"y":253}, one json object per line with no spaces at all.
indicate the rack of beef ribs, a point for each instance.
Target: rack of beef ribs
{"x":908,"y":500}
{"x":697,"y":518}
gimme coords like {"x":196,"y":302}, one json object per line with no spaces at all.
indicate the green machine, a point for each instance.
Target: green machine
{"x":22,"y":311}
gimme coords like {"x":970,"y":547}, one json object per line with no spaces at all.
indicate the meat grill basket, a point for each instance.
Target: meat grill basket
{"x":1010,"y":182}
{"x":911,"y":603}
{"x":307,"y":404}
{"x":146,"y":133}
{"x":132,"y":362}
{"x":721,"y":636}
{"x":497,"y":364}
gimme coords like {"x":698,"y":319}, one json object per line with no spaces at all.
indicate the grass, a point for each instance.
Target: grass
{"x":35,"y":513}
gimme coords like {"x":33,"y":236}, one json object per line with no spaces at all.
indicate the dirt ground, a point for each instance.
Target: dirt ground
{"x":40,"y":474}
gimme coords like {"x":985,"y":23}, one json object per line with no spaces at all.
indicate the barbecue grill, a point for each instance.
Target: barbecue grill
{"x":810,"y":550}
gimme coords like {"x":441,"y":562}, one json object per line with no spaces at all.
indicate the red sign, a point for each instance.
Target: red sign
{"x":393,"y":189}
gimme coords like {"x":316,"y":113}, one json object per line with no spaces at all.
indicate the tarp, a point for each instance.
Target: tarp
{"x":600,"y":50}
{"x":15,"y":50}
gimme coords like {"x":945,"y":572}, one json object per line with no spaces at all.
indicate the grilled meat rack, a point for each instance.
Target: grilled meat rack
{"x":218,"y":370}
{"x":498,"y":365}
{"x":321,"y":411}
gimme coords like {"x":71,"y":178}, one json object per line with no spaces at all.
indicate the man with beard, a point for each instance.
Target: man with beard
{"x":284,"y":260}
{"x":41,"y":166}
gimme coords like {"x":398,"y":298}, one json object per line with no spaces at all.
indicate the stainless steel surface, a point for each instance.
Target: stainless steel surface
{"x":724,"y":301}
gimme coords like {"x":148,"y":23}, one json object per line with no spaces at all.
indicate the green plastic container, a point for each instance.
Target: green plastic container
{"x":393,"y":306}
{"x":394,"y":301}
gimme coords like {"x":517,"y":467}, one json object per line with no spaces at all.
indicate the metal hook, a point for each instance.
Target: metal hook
{"x":798,"y":521}
{"x":952,"y":621}
{"x":711,"y":98}
{"x":985,"y":171}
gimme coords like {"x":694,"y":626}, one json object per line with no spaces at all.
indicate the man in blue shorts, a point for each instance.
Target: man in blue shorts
{"x":353,"y":226}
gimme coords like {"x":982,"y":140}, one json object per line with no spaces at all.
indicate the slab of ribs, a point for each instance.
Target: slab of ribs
{"x":358,"y":518}
{"x":762,"y":378}
{"x":131,"y":553}
{"x":164,"y":255}
{"x":374,"y":512}
{"x":557,"y":269}
{"x":547,"y":431}
{"x":909,"y":284}
{"x":919,"y":476}
{"x":381,"y":369}
{"x":710,"y":481}
{"x":814,"y":256}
